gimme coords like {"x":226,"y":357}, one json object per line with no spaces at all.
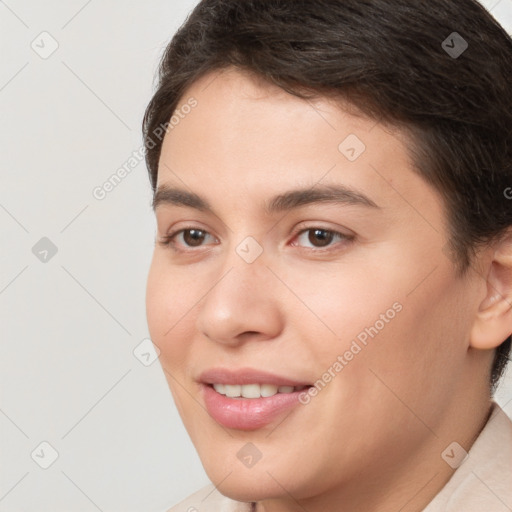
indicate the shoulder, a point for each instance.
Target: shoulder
{"x":482,"y":482}
{"x":209,"y":499}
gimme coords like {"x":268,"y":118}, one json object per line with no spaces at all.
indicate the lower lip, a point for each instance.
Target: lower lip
{"x":247,"y":413}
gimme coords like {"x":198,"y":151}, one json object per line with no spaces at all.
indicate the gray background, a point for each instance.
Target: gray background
{"x":71,"y":321}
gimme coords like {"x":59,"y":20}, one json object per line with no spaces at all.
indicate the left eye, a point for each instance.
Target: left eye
{"x":319,"y":238}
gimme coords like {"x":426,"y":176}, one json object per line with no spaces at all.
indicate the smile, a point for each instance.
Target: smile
{"x":248,"y":399}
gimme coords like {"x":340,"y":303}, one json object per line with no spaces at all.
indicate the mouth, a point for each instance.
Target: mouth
{"x":248,"y":399}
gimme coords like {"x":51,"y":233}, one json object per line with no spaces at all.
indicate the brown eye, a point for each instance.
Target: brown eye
{"x":193,"y":237}
{"x":184,"y":240}
{"x":320,"y":237}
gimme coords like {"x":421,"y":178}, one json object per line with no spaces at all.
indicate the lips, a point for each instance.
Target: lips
{"x":248,"y":399}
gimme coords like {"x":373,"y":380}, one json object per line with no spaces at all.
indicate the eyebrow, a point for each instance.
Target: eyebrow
{"x":336,"y":194}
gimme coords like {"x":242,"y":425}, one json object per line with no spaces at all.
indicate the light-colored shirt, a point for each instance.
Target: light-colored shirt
{"x":482,"y":483}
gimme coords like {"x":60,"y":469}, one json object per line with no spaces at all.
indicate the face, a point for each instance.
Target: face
{"x":305,"y":270}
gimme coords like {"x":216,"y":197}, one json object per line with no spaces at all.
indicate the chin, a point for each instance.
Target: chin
{"x":264,"y":480}
{"x":250,"y":488}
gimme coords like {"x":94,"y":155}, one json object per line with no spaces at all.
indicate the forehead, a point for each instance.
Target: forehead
{"x":248,"y":132}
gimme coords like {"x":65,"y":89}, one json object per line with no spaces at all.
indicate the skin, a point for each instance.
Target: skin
{"x":372,"y":439}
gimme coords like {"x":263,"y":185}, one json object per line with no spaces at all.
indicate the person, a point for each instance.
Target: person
{"x":331,"y":283}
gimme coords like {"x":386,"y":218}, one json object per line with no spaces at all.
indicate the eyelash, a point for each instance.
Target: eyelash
{"x":169,"y":242}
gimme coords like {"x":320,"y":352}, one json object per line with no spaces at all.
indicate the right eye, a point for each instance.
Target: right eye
{"x":190,"y":237}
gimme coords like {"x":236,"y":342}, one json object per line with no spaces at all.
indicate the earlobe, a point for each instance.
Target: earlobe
{"x":493,"y":322}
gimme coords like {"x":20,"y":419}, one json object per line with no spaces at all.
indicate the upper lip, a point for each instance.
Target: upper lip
{"x":243,"y":376}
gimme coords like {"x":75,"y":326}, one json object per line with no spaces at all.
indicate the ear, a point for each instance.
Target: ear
{"x":493,"y":322}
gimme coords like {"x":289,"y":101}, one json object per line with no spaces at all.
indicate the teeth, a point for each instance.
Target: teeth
{"x":250,"y":391}
{"x":220,"y":388}
{"x":253,"y":390}
{"x":267,"y":390}
{"x":232,"y":390}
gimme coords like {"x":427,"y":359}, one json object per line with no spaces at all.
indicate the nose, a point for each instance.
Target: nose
{"x":240,"y":304}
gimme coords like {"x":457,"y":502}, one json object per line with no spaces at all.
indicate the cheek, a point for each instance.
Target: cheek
{"x":169,"y":305}
{"x":419,"y":355}
{"x":381,"y":320}
{"x":343,"y":305}
{"x":156,"y":301}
